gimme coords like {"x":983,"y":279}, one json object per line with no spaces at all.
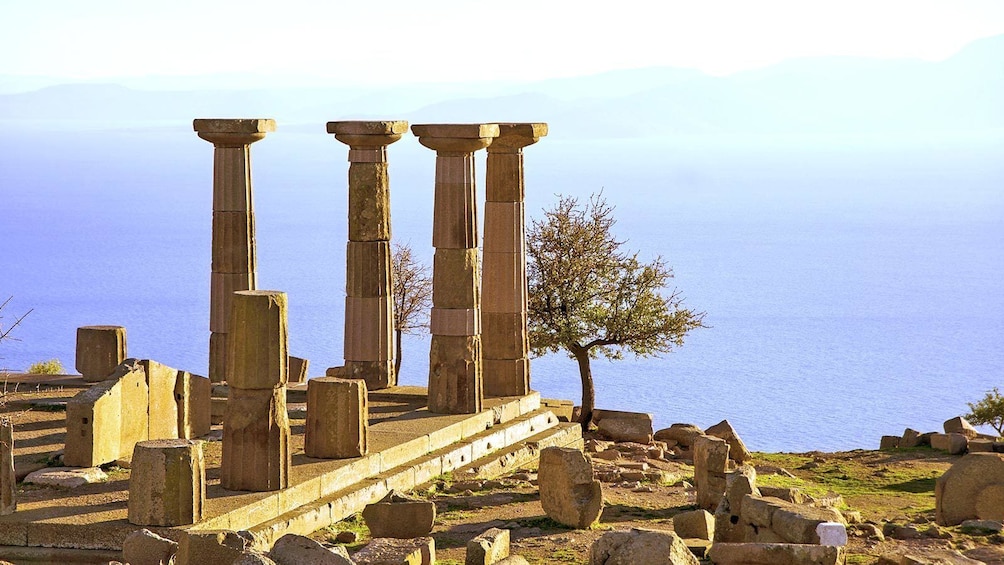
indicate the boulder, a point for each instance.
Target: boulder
{"x":696,"y":524}
{"x":641,"y":547}
{"x":960,"y":425}
{"x":393,"y":551}
{"x":683,"y":434}
{"x":490,"y":547}
{"x":216,"y":546}
{"x":972,"y":489}
{"x":737,"y":449}
{"x":568,"y":492}
{"x":954,"y":444}
{"x":144,"y":547}
{"x":398,"y":516}
{"x":292,"y":549}
{"x":638,"y":430}
{"x":775,"y":554}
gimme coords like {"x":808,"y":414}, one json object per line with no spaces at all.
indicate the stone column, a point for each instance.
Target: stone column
{"x":256,"y":450}
{"x":234,"y":262}
{"x":168,"y":483}
{"x":8,"y":478}
{"x":100,"y":349}
{"x":369,"y":304}
{"x":455,"y":371}
{"x":337,"y":418}
{"x":503,"y":284}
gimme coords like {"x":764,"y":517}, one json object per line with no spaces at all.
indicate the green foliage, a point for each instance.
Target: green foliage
{"x":48,"y":367}
{"x":989,"y":411}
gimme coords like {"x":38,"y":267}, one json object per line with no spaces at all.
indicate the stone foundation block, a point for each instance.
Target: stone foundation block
{"x":775,"y":554}
{"x":568,"y":492}
{"x":259,"y":340}
{"x":144,"y":547}
{"x":954,"y":444}
{"x":167,"y":486}
{"x":889,"y":442}
{"x":337,"y":418}
{"x":297,"y":370}
{"x":100,"y":349}
{"x":393,"y":551}
{"x":489,"y":547}
{"x":194,"y":398}
{"x":104,"y":422}
{"x":162,"y":383}
{"x":256,"y":451}
{"x":696,"y":524}
{"x":455,"y":377}
{"x":201,"y":547}
{"x":377,"y":374}
{"x":397,"y":516}
{"x":640,"y":547}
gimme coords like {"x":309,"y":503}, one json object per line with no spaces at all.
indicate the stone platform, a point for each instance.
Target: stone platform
{"x":409,"y":446}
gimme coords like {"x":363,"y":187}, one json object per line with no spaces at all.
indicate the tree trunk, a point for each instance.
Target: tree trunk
{"x":397,"y":359}
{"x":588,"y":391}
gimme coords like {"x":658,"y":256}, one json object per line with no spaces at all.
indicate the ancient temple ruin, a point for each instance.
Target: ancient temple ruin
{"x":292,"y":457}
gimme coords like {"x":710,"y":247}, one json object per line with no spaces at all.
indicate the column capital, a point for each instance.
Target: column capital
{"x":455,"y":138}
{"x":233,"y":132}
{"x":515,"y":136}
{"x":368,"y":134}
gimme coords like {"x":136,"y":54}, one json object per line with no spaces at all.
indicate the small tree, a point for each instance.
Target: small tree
{"x":988,"y":411}
{"x":590,"y":297}
{"x":412,"y":290}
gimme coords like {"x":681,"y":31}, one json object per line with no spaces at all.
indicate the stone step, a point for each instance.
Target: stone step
{"x":497,"y":440}
{"x":521,"y":454}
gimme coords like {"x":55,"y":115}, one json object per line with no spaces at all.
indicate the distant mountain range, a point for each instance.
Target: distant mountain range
{"x":806,"y":96}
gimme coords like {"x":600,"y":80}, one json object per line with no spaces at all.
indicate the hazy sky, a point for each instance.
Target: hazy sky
{"x":456,"y":40}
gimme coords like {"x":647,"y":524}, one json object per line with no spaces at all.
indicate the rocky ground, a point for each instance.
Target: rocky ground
{"x":888,"y":494}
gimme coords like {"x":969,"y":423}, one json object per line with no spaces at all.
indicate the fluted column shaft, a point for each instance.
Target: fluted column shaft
{"x":234,"y":265}
{"x":455,"y":357}
{"x":504,"y":287}
{"x":369,"y":305}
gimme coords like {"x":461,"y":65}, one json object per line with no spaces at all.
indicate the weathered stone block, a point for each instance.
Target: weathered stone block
{"x":167,"y":486}
{"x":194,"y":399}
{"x":455,"y":278}
{"x":377,"y":374}
{"x":980,"y":446}
{"x":568,"y":492}
{"x":104,"y":422}
{"x":162,"y":383}
{"x":738,"y":485}
{"x":737,"y":449}
{"x":368,"y":269}
{"x":683,"y":434}
{"x":973,"y":489}
{"x":489,"y":547}
{"x":218,"y":355}
{"x":711,"y":455}
{"x":393,"y":551}
{"x":889,"y":442}
{"x":292,"y":549}
{"x":397,"y":516}
{"x":960,"y":425}
{"x":369,"y":329}
{"x":259,"y":340}
{"x":337,"y":418}
{"x":954,"y":444}
{"x":455,"y":375}
{"x":508,"y":377}
{"x":637,"y":430}
{"x":698,"y":524}
{"x":774,"y":554}
{"x":297,"y":370}
{"x":100,"y":349}
{"x":144,"y":547}
{"x":640,"y":547}
{"x":910,"y":438}
{"x":256,"y":451}
{"x":198,"y":547}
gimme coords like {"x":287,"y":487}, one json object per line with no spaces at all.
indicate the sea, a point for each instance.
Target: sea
{"x":852,"y":284}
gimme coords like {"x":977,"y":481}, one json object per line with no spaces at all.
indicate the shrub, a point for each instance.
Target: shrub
{"x":988,"y":411}
{"x":50,"y":367}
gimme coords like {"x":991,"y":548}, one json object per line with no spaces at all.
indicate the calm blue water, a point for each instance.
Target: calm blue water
{"x":853,"y":285}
